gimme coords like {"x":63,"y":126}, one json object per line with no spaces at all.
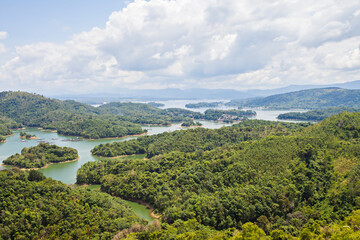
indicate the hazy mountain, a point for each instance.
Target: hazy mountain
{"x":194,"y":93}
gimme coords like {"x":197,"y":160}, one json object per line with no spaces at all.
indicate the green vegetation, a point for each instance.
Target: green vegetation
{"x":141,"y":113}
{"x":41,"y":155}
{"x":203,"y":105}
{"x":228,"y":115}
{"x":6,"y":126}
{"x":145,"y":114}
{"x":67,"y":117}
{"x":155,"y":104}
{"x":306,"y":99}
{"x":33,"y":207}
{"x":287,"y":180}
{"x":26,"y":135}
{"x":191,"y":123}
{"x":195,"y":139}
{"x":315,"y":115}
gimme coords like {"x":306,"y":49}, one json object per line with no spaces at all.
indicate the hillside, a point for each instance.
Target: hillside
{"x":67,"y":117}
{"x":303,"y":182}
{"x":33,"y":207}
{"x":315,"y":115}
{"x":306,"y":99}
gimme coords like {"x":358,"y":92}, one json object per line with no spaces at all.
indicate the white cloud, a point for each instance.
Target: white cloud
{"x":3,"y":35}
{"x":205,"y":43}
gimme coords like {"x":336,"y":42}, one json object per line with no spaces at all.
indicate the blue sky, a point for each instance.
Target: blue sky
{"x":91,"y":46}
{"x":34,"y":21}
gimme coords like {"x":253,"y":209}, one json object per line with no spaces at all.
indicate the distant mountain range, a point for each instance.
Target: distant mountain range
{"x":194,"y":93}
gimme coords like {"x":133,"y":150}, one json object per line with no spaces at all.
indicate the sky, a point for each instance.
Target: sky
{"x":89,"y":46}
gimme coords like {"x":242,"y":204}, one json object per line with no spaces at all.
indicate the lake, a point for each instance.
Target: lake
{"x":66,"y":172}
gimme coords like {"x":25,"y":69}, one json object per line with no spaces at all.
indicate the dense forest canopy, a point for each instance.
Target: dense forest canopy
{"x":306,"y":99}
{"x":33,"y":207}
{"x":41,"y":155}
{"x":288,"y":182}
{"x":6,"y":127}
{"x":315,"y":115}
{"x":195,"y":139}
{"x":109,"y":120}
{"x":68,"y":117}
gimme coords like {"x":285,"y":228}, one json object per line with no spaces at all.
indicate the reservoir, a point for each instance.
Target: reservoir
{"x":66,"y":172}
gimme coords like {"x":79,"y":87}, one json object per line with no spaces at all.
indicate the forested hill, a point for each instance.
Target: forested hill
{"x":306,"y":99}
{"x":199,"y":139}
{"x":315,"y":115}
{"x":109,"y":120}
{"x":67,"y":117}
{"x":302,"y":183}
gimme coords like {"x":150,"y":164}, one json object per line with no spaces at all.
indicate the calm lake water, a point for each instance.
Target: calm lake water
{"x":66,"y":172}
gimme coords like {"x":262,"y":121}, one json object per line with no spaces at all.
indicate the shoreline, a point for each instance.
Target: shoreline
{"x":141,"y":202}
{"x":45,"y":166}
{"x":135,"y":135}
{"x":29,"y":138}
{"x":83,"y":138}
{"x":147,"y":205}
{"x":121,"y":156}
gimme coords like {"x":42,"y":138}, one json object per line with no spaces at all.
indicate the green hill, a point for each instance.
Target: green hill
{"x":315,"y":115}
{"x":67,"y":117}
{"x":289,"y":183}
{"x":306,"y":99}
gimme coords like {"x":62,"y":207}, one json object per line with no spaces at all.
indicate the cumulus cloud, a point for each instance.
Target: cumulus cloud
{"x":205,"y":43}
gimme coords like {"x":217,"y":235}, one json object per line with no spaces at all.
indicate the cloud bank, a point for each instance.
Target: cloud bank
{"x":205,"y":43}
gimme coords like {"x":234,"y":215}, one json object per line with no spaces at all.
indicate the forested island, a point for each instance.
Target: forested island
{"x":203,"y":105}
{"x":315,"y":115}
{"x":191,"y":123}
{"x":288,"y":181}
{"x":228,"y":115}
{"x":41,"y":155}
{"x":155,"y":104}
{"x":27,"y":135}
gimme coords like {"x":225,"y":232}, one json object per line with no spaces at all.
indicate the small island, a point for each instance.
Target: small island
{"x":2,"y":139}
{"x":27,"y":135}
{"x":41,"y":156}
{"x":191,"y":123}
{"x":155,"y":104}
{"x":203,"y":105}
{"x":228,"y":116}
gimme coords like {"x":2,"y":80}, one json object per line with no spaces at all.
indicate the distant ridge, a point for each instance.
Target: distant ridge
{"x":193,"y":93}
{"x":317,"y":98}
